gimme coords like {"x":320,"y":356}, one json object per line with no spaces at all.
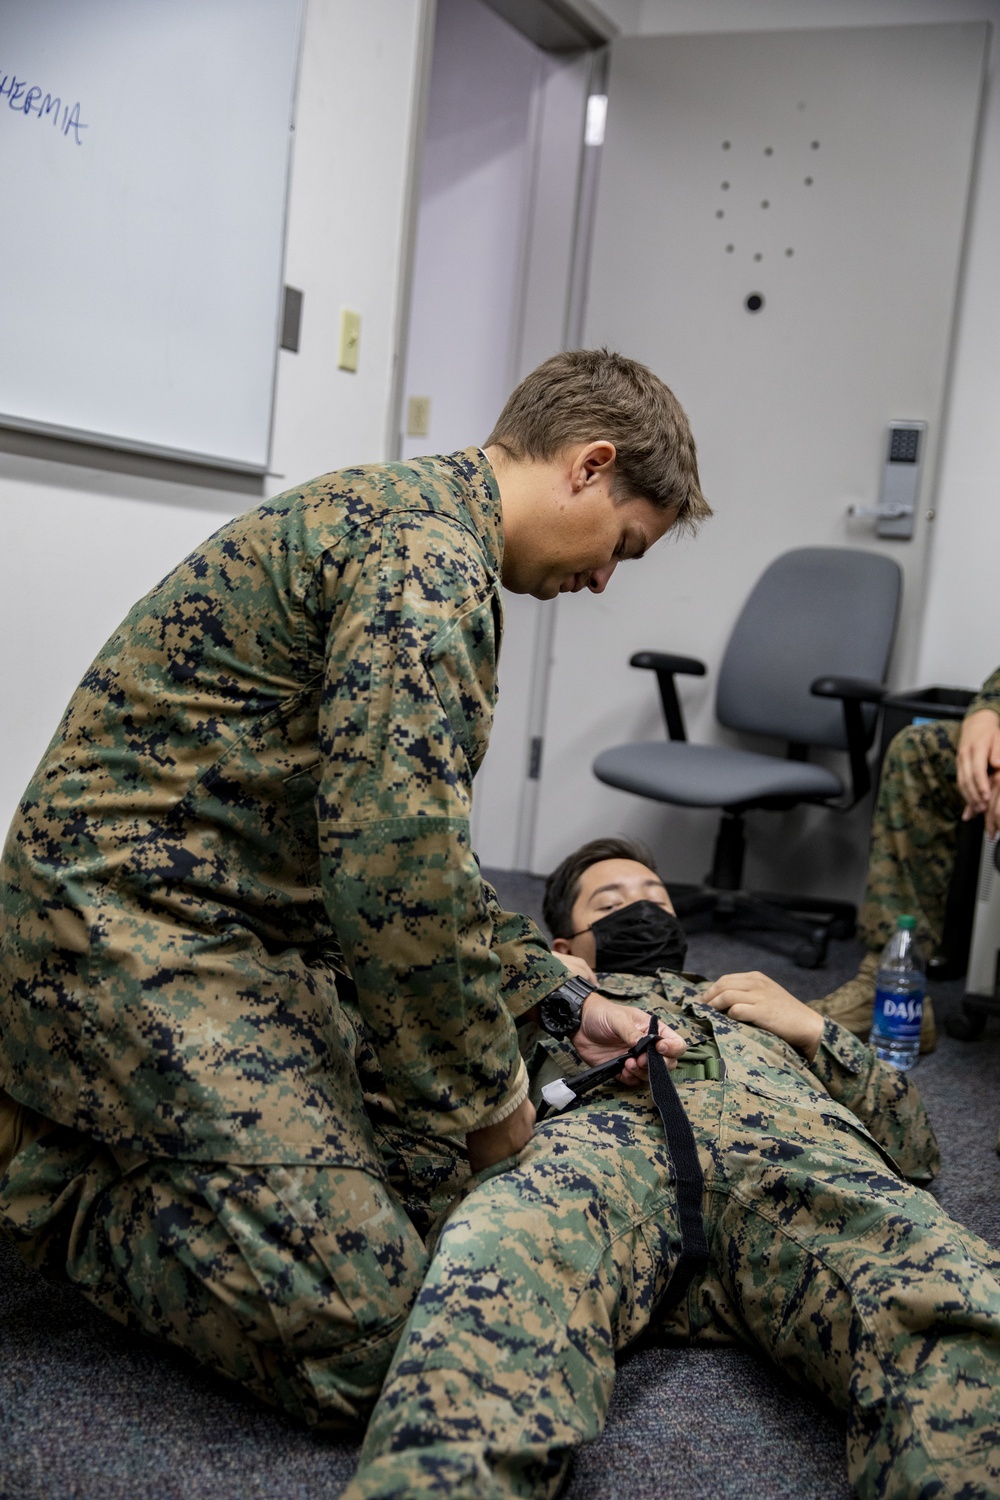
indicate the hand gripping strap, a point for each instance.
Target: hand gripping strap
{"x":688,"y":1177}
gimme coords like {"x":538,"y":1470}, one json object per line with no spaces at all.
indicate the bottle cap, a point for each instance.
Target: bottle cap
{"x":907,"y":923}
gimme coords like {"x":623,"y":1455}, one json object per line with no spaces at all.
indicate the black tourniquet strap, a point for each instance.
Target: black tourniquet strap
{"x":687,"y":1174}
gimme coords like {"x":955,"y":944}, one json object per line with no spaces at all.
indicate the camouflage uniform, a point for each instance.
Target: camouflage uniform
{"x":264,"y":779}
{"x":821,"y":1256}
{"x":914,"y":829}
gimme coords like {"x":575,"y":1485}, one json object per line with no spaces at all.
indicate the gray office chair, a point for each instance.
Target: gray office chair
{"x":806,"y":663}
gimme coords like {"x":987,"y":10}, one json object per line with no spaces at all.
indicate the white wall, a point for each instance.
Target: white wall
{"x":78,"y":543}
{"x":347,"y":227}
{"x":491,"y":277}
{"x":957,"y":636}
{"x":960,"y":639}
{"x":625,"y":14}
{"x":472,"y":233}
{"x":789,"y":408}
{"x":474,"y":193}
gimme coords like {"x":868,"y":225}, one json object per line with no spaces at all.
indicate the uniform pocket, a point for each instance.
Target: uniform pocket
{"x":775,"y":1128}
{"x":462,"y":665}
{"x":301,"y":790}
{"x":329,"y":1252}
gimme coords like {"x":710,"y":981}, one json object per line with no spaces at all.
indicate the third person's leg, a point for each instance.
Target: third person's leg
{"x":914,"y":833}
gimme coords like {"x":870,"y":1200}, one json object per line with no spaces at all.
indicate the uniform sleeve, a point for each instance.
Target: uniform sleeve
{"x":530,"y":969}
{"x":412,"y":624}
{"x":886,"y":1102}
{"x":988,"y":695}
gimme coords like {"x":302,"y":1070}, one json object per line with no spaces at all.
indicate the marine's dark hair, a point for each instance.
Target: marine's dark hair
{"x":563,"y":885}
{"x":585,"y":395}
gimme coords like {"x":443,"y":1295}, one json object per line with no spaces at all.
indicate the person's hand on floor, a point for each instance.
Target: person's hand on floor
{"x":608,"y":1028}
{"x":761,"y":1002}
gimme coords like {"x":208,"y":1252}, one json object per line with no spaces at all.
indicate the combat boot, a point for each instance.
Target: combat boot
{"x":853,"y":1005}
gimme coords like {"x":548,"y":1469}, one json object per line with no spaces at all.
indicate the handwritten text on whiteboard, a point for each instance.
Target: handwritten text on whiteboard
{"x":33,"y":101}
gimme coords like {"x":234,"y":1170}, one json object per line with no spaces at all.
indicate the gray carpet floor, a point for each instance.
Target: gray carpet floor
{"x":90,"y":1412}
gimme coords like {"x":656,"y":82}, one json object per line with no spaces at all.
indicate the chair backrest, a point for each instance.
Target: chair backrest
{"x":815,"y":612}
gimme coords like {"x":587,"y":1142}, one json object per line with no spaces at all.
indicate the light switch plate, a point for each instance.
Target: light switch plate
{"x":350,"y":338}
{"x":418,"y":416}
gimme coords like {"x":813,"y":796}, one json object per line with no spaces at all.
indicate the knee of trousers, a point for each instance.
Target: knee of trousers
{"x":294,"y":1281}
{"x":539,"y":1276}
{"x":925,"y":752}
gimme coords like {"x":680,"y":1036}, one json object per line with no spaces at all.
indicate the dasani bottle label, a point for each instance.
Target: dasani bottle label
{"x":898,"y":1016}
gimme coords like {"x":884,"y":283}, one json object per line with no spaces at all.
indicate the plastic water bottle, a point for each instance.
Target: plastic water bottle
{"x":899,"y":999}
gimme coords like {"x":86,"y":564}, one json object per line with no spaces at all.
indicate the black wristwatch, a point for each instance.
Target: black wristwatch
{"x":559,"y":1013}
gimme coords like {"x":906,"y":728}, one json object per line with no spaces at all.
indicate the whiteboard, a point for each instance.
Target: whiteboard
{"x":144,"y":160}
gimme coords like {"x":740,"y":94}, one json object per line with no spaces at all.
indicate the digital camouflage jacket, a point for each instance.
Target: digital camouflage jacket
{"x":265,"y":777}
{"x":988,"y":695}
{"x":844,"y":1090}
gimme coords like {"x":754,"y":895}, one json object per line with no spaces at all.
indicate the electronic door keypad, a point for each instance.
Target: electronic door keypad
{"x":904,"y":460}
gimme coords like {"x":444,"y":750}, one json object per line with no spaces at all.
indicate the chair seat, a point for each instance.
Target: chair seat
{"x":710,"y":775}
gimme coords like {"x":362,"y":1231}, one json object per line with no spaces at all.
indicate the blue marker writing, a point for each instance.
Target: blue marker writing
{"x":32,"y":101}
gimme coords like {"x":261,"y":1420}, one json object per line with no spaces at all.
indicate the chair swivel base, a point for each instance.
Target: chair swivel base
{"x":796,"y":927}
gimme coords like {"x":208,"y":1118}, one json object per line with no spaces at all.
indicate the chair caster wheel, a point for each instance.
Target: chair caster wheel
{"x":806,"y":956}
{"x":967,"y":1027}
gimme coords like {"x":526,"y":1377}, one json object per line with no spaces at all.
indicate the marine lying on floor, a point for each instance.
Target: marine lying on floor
{"x":820,"y":1253}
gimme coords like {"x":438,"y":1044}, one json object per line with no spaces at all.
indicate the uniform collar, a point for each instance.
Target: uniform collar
{"x":481,"y":495}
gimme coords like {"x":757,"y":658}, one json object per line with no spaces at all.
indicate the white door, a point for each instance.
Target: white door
{"x":491,"y":278}
{"x":828,"y":173}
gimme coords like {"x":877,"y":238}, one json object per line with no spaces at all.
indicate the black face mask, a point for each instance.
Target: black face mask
{"x":639,"y":939}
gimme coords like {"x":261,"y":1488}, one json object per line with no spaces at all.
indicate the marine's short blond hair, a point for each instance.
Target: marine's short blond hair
{"x":589,"y":394}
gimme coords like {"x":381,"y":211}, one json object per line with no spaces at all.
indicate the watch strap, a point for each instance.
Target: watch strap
{"x":560,"y":1011}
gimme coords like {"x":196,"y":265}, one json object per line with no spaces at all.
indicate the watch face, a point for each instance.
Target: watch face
{"x":560,"y":1012}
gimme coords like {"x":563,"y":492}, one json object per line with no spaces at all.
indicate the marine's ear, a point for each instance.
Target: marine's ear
{"x":589,"y":460}
{"x":560,"y":945}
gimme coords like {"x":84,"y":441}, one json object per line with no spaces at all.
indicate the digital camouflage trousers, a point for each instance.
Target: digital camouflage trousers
{"x":849,"y":1279}
{"x":296,"y":1282}
{"x":293,"y":1281}
{"x":914,"y":833}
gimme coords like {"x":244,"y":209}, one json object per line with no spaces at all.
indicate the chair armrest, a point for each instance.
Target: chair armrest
{"x":665,"y":665}
{"x":664,"y":661}
{"x":852,"y":692}
{"x":854,"y":689}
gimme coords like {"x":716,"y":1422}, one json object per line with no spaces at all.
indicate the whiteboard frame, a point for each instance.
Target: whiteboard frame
{"x":150,"y":450}
{"x":14,"y":422}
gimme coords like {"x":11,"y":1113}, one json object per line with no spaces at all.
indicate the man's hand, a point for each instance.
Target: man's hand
{"x":495,"y":1142}
{"x":577,"y":966}
{"x":608,"y":1028}
{"x":978,"y":751}
{"x":761,"y":1002}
